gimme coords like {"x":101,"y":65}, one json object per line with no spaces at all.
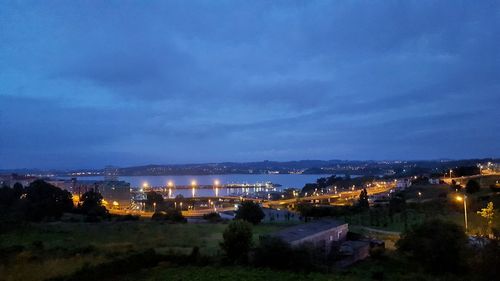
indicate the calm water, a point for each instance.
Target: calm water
{"x":286,"y":181}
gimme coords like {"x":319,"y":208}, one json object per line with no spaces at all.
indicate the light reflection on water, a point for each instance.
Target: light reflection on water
{"x":285,"y":180}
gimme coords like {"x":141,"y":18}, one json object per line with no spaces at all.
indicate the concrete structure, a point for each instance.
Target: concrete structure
{"x":402,"y":184}
{"x":320,"y":234}
{"x":353,"y":251}
{"x":434,"y":180}
{"x":116,"y":194}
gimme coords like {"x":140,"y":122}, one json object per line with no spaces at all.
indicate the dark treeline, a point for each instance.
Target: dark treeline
{"x":41,"y":201}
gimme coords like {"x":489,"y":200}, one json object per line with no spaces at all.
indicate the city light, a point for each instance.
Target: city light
{"x":193,"y":184}
{"x":464,"y":199}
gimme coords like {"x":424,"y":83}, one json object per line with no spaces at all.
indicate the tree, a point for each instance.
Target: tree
{"x":437,"y":245}
{"x":309,"y":188}
{"x":212,"y":217}
{"x":154,"y":201}
{"x":237,"y":241}
{"x":488,"y":213}
{"x":44,"y":200}
{"x":92,"y":204}
{"x":250,"y":211}
{"x":170,"y":215}
{"x":472,"y":186}
{"x":363,"y":199}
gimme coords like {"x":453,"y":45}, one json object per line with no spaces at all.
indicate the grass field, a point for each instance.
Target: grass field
{"x":53,"y":249}
{"x":394,"y":269}
{"x":432,"y":201}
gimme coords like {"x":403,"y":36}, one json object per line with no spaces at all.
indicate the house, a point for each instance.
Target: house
{"x":434,"y":180}
{"x":404,"y":183}
{"x":320,"y":234}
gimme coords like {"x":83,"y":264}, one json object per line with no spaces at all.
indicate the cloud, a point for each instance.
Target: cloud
{"x":130,"y":82}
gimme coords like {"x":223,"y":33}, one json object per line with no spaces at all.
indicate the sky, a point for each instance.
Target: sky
{"x":85,"y":84}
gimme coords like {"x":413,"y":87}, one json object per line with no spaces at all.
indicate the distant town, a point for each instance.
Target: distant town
{"x":338,"y":220}
{"x":364,"y":168}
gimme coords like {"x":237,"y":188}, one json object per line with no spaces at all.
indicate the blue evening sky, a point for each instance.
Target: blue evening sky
{"x":90,"y":83}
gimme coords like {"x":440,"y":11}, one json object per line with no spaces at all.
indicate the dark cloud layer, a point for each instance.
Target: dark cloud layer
{"x":84,"y":84}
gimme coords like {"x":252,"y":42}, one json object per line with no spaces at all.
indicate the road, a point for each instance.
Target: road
{"x":187,"y":214}
{"x":344,"y":194}
{"x":200,"y":212}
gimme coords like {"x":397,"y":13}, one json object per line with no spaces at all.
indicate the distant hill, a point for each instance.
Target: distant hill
{"x":350,"y":167}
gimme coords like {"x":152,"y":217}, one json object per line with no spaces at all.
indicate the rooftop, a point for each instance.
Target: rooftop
{"x":301,"y":231}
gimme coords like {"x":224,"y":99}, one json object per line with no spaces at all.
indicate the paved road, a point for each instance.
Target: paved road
{"x":188,"y":214}
{"x":343,"y":194}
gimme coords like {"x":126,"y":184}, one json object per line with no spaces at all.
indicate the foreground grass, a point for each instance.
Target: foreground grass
{"x":388,"y":268}
{"x":54,"y":249}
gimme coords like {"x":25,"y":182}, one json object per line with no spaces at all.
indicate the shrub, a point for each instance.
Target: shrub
{"x":212,"y":217}
{"x":438,"y":246}
{"x":472,"y":186}
{"x":237,"y":241}
{"x":250,"y":211}
{"x":170,"y":215}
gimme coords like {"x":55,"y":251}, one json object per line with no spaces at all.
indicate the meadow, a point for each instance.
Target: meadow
{"x":44,"y":250}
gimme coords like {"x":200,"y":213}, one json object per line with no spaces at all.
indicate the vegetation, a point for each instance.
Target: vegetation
{"x":438,"y":246}
{"x":169,"y":215}
{"x":92,"y":205}
{"x":488,"y":213}
{"x":212,"y":217}
{"x":43,"y":250}
{"x":273,"y":252}
{"x":37,"y":202}
{"x":250,"y":212}
{"x":472,"y":186}
{"x":237,"y":241}
{"x":363,"y":199}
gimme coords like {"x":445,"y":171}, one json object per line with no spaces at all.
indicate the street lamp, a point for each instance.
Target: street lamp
{"x":193,"y":185}
{"x":170,"y":184}
{"x":216,"y":184}
{"x":154,"y":207}
{"x":464,"y":199}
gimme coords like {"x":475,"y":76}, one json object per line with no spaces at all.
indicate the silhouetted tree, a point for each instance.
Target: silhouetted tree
{"x":472,"y":186}
{"x":237,"y":241}
{"x":153,"y":198}
{"x":44,"y":200}
{"x":437,"y":245}
{"x":169,"y":215}
{"x":92,"y":204}
{"x":363,"y":199}
{"x":250,"y":211}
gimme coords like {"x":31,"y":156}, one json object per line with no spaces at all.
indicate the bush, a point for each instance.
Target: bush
{"x":44,"y":200}
{"x":92,"y":206}
{"x":472,"y":186}
{"x":438,"y":246}
{"x":212,"y":217}
{"x":250,"y":211}
{"x":237,"y":241}
{"x":170,"y":215}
